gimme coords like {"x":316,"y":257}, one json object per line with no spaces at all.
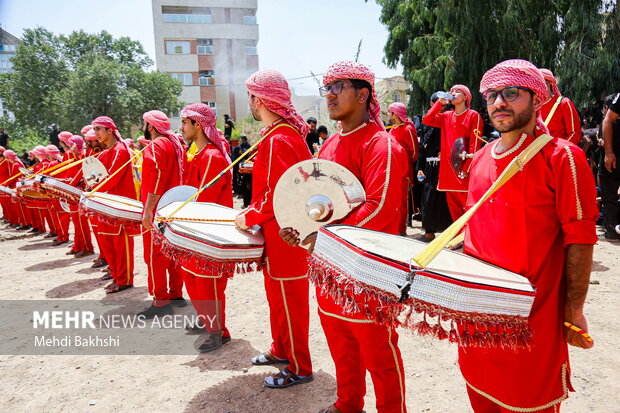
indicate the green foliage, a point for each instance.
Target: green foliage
{"x":72,"y":79}
{"x":441,"y":43}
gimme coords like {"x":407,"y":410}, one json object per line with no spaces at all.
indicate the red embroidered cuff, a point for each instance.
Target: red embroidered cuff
{"x":580,"y":232}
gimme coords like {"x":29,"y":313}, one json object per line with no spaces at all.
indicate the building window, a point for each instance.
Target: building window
{"x":8,"y":47}
{"x":251,"y":51}
{"x":206,"y":78}
{"x":249,"y":19}
{"x":185,"y":78}
{"x":205,"y":46}
{"x":181,"y":14}
{"x":176,"y":47}
{"x":396,"y":97}
{"x":5,"y":63}
{"x":212,"y":106}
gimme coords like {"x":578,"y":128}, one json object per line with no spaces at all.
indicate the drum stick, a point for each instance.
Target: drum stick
{"x":100,"y":184}
{"x":578,"y":330}
{"x":228,"y":168}
{"x":432,"y":250}
{"x":74,"y":163}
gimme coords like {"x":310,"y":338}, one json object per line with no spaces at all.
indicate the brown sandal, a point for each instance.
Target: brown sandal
{"x":267,"y":358}
{"x":115,"y":288}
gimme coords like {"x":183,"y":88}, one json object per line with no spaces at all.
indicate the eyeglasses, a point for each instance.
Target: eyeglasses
{"x":509,"y":94}
{"x":334,"y":88}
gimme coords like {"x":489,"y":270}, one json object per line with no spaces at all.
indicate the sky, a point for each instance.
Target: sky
{"x":296,"y":36}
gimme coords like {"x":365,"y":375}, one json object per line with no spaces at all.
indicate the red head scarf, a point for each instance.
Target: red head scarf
{"x":204,"y":115}
{"x":107,"y":122}
{"x":64,"y":137}
{"x":160,"y":122}
{"x":10,"y":154}
{"x":354,"y":70}
{"x":85,"y":129}
{"x":517,"y":72}
{"x":2,"y":149}
{"x":39,"y":152}
{"x":400,"y":110}
{"x":272,"y":89}
{"x":77,"y":142}
{"x":548,"y":75}
{"x":465,"y":90}
{"x":52,"y":151}
{"x":90,"y":135}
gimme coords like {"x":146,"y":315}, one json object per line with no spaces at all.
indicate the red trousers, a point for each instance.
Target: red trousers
{"x":38,"y":221}
{"x":118,"y":249}
{"x":83,"y":240}
{"x":481,"y":404}
{"x":208,"y":295}
{"x":63,"y":219}
{"x":95,"y":227}
{"x":24,"y":216}
{"x":161,"y":287}
{"x":290,"y":317}
{"x":357,"y":346}
{"x":456,"y":203}
{"x":47,"y":216}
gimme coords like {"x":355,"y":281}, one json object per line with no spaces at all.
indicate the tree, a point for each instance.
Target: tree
{"x":440,"y":43}
{"x":72,"y":79}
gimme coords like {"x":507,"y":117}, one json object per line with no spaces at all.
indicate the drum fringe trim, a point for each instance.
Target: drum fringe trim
{"x":62,"y":194}
{"x":130,"y":226}
{"x":467,"y":329}
{"x":188,"y":258}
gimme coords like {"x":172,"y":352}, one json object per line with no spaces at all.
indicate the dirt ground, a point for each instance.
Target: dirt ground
{"x":225,"y":380}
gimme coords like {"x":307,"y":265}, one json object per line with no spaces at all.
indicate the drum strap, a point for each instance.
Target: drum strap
{"x":228,"y":168}
{"x":553,"y":109}
{"x":430,"y":252}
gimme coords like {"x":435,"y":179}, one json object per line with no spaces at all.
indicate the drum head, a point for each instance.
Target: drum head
{"x":93,"y":171}
{"x":313,"y":193}
{"x":179,"y":193}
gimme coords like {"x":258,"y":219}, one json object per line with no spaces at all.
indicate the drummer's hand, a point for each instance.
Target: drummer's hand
{"x":290,"y":236}
{"x":572,"y":337}
{"x":240,"y":222}
{"x":147,"y":220}
{"x":310,"y":240}
{"x":420,"y":173}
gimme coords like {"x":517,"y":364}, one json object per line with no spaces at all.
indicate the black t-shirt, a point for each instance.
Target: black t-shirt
{"x":228,"y":127}
{"x":312,"y":138}
{"x":54,"y":137}
{"x":4,"y":139}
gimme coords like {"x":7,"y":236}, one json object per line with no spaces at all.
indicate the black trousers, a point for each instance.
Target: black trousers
{"x":609,"y":184}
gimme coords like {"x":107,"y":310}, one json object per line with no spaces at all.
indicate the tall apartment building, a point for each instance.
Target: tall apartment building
{"x":210,"y":46}
{"x":8,"y":49}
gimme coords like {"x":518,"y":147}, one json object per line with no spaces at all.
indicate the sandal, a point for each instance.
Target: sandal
{"x":98,"y":263}
{"x":286,"y":378}
{"x":267,"y":358}
{"x":106,"y":277}
{"x":423,"y":238}
{"x":115,"y":288}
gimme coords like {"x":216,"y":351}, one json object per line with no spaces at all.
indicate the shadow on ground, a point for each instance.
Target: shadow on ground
{"x":245,"y":393}
{"x":233,"y":356}
{"x":75,"y":288}
{"x":597,"y":266}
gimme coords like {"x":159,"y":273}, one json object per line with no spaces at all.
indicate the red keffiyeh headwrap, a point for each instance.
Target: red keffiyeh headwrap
{"x":106,"y":122}
{"x":517,"y":72}
{"x":85,"y":129}
{"x":77,"y":142}
{"x":354,"y":70}
{"x":90,"y":135}
{"x":548,"y":75}
{"x":39,"y":152}
{"x":400,"y":110}
{"x":9,"y":154}
{"x":143,"y":141}
{"x":64,"y":137}
{"x":204,"y":115}
{"x":160,"y":122}
{"x":2,"y":149}
{"x":53,"y":152}
{"x":465,"y":90}
{"x":272,"y":89}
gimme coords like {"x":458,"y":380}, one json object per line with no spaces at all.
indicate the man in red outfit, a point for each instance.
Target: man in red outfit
{"x":116,"y":239}
{"x":357,"y":343}
{"x":403,"y":130}
{"x":559,"y":113}
{"x":163,"y":164}
{"x":540,"y":224}
{"x":285,"y":269}
{"x":462,"y":122}
{"x":207,"y":290}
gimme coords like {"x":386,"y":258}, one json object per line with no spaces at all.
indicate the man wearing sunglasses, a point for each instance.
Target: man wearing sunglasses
{"x":356,"y":342}
{"x":462,"y":122}
{"x":559,"y":113}
{"x":540,"y":224}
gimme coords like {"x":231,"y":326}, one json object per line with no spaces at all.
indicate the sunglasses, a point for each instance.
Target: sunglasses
{"x":334,"y":88}
{"x":509,"y":94}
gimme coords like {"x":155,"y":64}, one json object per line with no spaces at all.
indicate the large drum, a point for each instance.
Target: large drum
{"x":59,"y":188}
{"x":29,"y":190}
{"x":456,"y":297}
{"x":6,"y":191}
{"x":203,"y":238}
{"x":113,"y":209}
